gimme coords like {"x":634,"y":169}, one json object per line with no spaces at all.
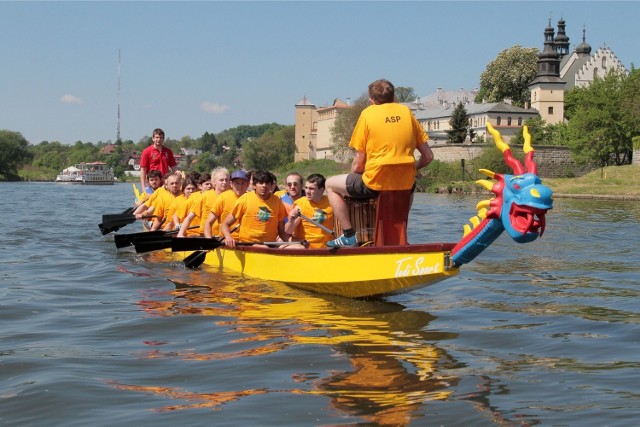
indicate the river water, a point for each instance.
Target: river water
{"x":539,"y":334}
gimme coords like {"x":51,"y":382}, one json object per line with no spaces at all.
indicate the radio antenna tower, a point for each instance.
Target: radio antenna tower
{"x":118,"y":117}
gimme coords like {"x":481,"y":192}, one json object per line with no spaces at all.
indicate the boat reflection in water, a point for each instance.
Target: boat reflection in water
{"x":393,"y":367}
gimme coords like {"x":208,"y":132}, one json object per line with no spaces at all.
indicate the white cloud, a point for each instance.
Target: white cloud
{"x":70,"y":99}
{"x":212,"y":108}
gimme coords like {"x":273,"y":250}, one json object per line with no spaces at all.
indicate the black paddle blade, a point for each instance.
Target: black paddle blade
{"x":124,"y":240}
{"x":195,"y":260}
{"x":129,"y":211}
{"x":108,"y":227}
{"x":194,"y":244}
{"x":115,"y":222}
{"x":152,"y":244}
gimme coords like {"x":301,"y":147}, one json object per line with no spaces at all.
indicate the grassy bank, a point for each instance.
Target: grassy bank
{"x":617,"y":181}
{"x":612,"y":181}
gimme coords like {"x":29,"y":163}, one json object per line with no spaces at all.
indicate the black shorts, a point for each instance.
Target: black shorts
{"x":357,"y":189}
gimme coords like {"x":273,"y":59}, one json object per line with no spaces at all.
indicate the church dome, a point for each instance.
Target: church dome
{"x":562,"y":36}
{"x":583,"y":48}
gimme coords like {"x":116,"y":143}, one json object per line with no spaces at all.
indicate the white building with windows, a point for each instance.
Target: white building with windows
{"x":559,"y":70}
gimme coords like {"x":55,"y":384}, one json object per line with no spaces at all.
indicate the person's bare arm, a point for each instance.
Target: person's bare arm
{"x":208,"y":223}
{"x":357,"y":166}
{"x":143,"y":179}
{"x":225,"y":228}
{"x":426,"y":155}
{"x":186,"y":222}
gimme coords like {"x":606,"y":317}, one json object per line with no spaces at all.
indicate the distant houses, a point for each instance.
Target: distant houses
{"x":558,"y":70}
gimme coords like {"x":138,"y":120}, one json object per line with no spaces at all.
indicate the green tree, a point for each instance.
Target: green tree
{"x":600,"y":130}
{"x":209,"y":143}
{"x":273,"y":149}
{"x":14,"y":153}
{"x":242,"y":133}
{"x":206,"y":162}
{"x":508,"y":76}
{"x":631,"y":98}
{"x":405,"y":94}
{"x":541,"y":133}
{"x":459,"y":123}
{"x":343,"y":128}
{"x":50,"y":155}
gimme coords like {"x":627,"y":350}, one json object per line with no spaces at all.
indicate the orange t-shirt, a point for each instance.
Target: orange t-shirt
{"x":388,"y":134}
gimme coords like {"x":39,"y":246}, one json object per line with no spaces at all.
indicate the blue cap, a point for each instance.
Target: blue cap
{"x":240,"y":175}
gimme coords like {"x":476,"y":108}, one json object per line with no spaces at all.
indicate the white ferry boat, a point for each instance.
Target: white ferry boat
{"x":96,"y":173}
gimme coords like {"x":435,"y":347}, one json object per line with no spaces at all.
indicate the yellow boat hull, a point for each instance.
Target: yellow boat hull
{"x":348,"y":272}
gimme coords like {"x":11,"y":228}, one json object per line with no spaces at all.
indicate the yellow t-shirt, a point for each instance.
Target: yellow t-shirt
{"x":194,"y":205}
{"x":153,"y":197}
{"x":321,"y":213}
{"x":162,"y":205}
{"x":208,"y":202}
{"x":388,"y":134}
{"x":259,"y":219}
{"x":179,"y":207}
{"x":221,"y":208}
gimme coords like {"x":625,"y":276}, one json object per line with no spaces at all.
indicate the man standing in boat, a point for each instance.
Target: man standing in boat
{"x":156,"y":156}
{"x":384,"y":139}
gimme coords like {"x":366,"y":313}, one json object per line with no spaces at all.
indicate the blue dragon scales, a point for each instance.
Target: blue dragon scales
{"x":520,"y":204}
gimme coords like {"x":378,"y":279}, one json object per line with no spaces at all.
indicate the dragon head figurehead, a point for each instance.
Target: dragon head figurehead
{"x":520,"y":204}
{"x":521,"y":200}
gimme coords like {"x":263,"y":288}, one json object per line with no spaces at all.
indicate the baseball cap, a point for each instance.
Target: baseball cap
{"x":240,"y":175}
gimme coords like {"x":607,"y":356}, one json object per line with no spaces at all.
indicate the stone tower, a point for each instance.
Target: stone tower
{"x":305,"y":118}
{"x":547,"y":89}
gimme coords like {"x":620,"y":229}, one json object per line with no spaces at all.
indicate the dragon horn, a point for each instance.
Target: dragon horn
{"x":511,"y":161}
{"x":529,"y":163}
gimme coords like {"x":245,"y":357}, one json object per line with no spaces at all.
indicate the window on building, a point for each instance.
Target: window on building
{"x":604,"y":62}
{"x":519,"y":121}
{"x":508,"y":121}
{"x":550,"y":111}
{"x":498,"y":120}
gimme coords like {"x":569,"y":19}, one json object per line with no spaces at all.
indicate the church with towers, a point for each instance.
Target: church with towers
{"x":558,"y":70}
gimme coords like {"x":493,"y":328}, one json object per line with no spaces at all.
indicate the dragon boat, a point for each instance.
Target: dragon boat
{"x":390,"y":265}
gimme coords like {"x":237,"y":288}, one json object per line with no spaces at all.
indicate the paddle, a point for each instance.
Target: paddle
{"x":123,"y":240}
{"x":105,"y":229}
{"x":196,"y":259}
{"x":153,"y":243}
{"x":114,"y":222}
{"x":180,"y":244}
{"x":316,"y":223}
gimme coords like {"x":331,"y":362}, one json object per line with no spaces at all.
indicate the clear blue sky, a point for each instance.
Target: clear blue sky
{"x":195,"y":67}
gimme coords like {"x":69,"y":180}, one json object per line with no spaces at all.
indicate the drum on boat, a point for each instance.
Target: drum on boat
{"x":363,"y":219}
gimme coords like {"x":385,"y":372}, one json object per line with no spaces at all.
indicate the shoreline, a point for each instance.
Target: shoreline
{"x":596,"y":196}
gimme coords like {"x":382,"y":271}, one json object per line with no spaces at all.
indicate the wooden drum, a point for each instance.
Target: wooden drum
{"x":363,"y":219}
